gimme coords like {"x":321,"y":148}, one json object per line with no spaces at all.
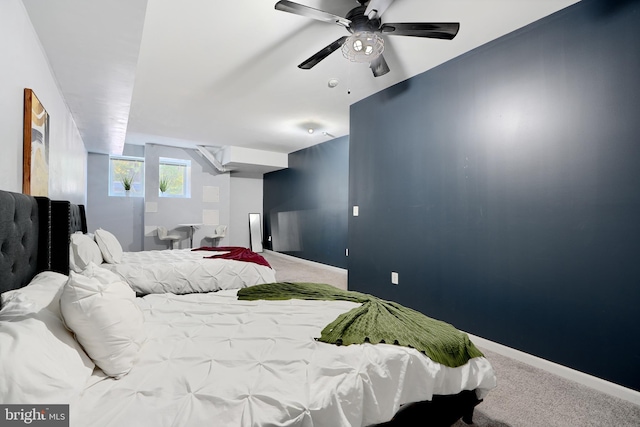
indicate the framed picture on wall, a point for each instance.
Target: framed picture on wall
{"x":35,"y":164}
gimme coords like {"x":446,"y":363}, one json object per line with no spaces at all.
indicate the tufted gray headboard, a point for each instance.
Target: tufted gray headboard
{"x":66,"y":219}
{"x":25,"y":238}
{"x":78,"y":218}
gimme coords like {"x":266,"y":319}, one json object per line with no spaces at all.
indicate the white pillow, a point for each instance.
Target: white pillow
{"x":105,"y":319}
{"x":82,"y":251}
{"x":103,"y":275}
{"x":109,"y":246}
{"x":43,"y":291}
{"x":41,"y":361}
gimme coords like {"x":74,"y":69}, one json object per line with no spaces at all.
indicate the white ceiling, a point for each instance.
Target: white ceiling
{"x":219,"y":73}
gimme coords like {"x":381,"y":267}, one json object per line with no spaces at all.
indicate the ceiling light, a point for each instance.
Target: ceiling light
{"x":310,"y":130}
{"x":363,"y":46}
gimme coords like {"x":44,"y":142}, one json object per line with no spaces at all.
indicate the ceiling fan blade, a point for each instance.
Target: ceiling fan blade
{"x":319,"y":56}
{"x":379,"y":66}
{"x":433,"y":30}
{"x":377,"y":7}
{"x":309,"y":12}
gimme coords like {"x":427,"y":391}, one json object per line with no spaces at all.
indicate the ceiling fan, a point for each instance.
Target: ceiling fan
{"x":365,"y":44}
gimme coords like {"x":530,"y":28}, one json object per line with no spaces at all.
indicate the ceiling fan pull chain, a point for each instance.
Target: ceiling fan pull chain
{"x":349,"y":68}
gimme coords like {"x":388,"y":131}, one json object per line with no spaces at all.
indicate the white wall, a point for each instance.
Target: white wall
{"x":122,"y":216}
{"x":24,"y":65}
{"x":126,"y":218}
{"x":170,"y":212}
{"x":246,"y":198}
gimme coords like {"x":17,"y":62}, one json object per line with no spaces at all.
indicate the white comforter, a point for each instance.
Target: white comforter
{"x":211,"y":360}
{"x":185,"y":271}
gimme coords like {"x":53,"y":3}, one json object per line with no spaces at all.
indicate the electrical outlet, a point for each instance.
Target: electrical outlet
{"x":394,"y":278}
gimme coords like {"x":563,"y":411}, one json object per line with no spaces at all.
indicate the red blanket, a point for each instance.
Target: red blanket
{"x":237,"y":253}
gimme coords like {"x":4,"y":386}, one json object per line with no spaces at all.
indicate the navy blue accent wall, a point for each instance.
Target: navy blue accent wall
{"x":306,"y":206}
{"x":504,"y":188}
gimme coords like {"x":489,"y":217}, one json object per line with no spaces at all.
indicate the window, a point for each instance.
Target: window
{"x":175,"y":178}
{"x":126,"y":172}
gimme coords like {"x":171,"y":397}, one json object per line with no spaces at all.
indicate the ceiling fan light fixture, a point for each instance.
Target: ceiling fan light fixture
{"x":363,"y":46}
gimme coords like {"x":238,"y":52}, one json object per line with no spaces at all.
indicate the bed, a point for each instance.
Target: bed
{"x":199,"y":358}
{"x":179,"y":271}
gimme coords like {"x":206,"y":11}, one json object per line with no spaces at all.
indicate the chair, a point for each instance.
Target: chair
{"x":219,"y":233}
{"x":164,"y":235}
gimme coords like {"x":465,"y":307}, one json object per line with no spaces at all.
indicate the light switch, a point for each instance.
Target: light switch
{"x":356,"y":210}
{"x":394,"y":278}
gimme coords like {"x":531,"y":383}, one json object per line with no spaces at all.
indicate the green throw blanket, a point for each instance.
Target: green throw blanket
{"x":375,"y":321}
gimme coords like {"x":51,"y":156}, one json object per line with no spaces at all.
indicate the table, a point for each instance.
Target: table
{"x":192,"y":229}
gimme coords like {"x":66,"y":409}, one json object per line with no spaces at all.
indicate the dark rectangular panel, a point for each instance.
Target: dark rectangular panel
{"x":305,"y":206}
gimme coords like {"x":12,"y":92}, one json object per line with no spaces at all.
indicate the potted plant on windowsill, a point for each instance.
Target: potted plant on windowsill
{"x":127,"y":182}
{"x":164,"y":184}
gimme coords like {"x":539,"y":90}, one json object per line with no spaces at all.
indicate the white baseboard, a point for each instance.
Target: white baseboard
{"x":599,"y":384}
{"x":306,"y":261}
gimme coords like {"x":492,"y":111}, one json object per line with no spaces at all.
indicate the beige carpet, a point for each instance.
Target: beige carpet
{"x":525,"y":396}
{"x":290,"y":269}
{"x":530,"y":397}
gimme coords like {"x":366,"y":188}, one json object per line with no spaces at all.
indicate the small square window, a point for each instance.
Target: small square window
{"x":126,"y":176}
{"x":175,"y":178}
